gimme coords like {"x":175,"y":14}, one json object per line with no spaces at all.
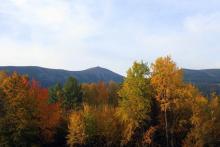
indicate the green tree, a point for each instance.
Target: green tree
{"x":135,"y":103}
{"x":72,"y":94}
{"x":55,"y":93}
{"x":69,"y":96}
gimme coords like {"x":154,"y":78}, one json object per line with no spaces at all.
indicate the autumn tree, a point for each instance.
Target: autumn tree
{"x":82,"y":128}
{"x":113,"y":89}
{"x":69,"y":97}
{"x":213,"y":138}
{"x":205,"y":122}
{"x":18,"y":122}
{"x":48,"y":115}
{"x":89,"y":93}
{"x":76,"y":130}
{"x":135,"y":103}
{"x":172,"y":95}
{"x":102,"y":97}
{"x":94,"y":126}
{"x":3,"y":76}
{"x":96,"y":93}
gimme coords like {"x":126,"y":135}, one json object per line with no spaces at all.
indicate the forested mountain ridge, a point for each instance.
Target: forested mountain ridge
{"x":48,"y":77}
{"x":208,"y":80}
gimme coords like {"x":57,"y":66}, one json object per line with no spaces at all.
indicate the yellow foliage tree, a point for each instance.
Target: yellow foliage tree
{"x":135,"y":103}
{"x":18,"y":122}
{"x":171,"y":94}
{"x":94,"y":126}
{"x":205,"y":121}
{"x":76,"y":129}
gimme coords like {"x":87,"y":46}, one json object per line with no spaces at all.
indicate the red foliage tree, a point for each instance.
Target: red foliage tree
{"x":49,"y":115}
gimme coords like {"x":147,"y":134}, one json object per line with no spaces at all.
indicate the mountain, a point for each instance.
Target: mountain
{"x":207,"y":80}
{"x":48,"y":77}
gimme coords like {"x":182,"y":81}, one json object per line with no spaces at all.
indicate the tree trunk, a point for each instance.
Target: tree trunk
{"x":172,"y":129}
{"x":167,"y":137}
{"x":172,"y":140}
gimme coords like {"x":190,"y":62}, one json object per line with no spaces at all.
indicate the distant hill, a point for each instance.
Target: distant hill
{"x":207,"y":80}
{"x":48,"y":77}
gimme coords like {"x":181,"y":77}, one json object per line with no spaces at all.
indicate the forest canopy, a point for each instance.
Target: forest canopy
{"x":152,"y":107}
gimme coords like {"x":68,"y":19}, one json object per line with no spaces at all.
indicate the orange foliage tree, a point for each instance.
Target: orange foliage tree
{"x":96,"y":94}
{"x":18,"y":122}
{"x":49,"y":115}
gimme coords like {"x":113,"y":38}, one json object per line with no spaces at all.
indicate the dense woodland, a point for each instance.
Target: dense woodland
{"x":153,"y":107}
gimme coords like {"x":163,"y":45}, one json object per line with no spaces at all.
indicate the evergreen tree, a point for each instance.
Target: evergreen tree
{"x":69,"y":96}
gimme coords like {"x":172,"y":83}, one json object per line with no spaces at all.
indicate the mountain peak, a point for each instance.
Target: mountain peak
{"x":97,"y":68}
{"x":48,"y":77}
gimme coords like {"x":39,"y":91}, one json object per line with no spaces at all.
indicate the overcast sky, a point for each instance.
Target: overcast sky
{"x":78,"y":34}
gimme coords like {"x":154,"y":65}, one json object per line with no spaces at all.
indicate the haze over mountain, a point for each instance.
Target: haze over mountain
{"x":207,"y":80}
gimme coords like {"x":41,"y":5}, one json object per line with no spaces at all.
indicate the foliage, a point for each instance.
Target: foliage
{"x":69,"y":96}
{"x":113,"y":89}
{"x":205,"y":121}
{"x":18,"y":122}
{"x":152,"y":107}
{"x":135,"y":103}
{"x":172,"y":95}
{"x":100,"y":93}
{"x":148,"y":136}
{"x":76,"y":128}
{"x":96,"y":94}
{"x":48,"y":115}
{"x":55,"y":93}
{"x":94,"y":127}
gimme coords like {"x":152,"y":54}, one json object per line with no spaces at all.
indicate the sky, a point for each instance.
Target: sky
{"x":79,"y":34}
